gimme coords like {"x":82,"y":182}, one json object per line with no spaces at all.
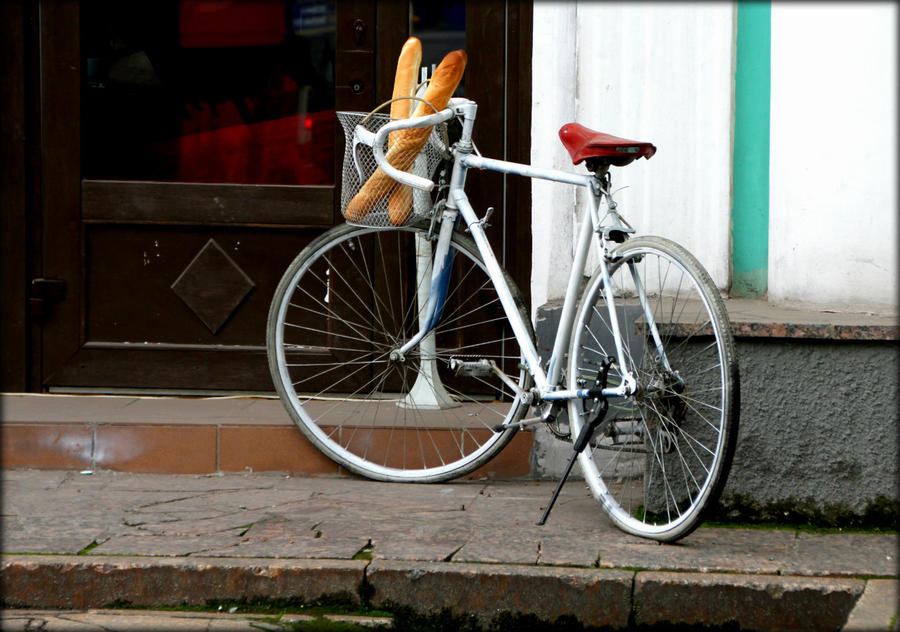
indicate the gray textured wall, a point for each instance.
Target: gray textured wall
{"x":818,"y":422}
{"x":818,"y":427}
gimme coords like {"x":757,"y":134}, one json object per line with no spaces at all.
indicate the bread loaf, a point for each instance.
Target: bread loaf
{"x":407,"y":144}
{"x":405,"y":81}
{"x":400,"y":203}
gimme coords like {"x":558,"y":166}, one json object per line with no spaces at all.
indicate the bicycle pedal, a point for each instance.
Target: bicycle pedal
{"x":472,"y":368}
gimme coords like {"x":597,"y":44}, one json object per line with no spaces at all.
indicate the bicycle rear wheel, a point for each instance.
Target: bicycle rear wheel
{"x":661,"y":456}
{"x":350,"y":299}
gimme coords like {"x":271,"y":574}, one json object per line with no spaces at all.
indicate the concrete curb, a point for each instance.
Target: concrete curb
{"x":595,"y":597}
{"x":755,"y":602}
{"x":62,"y":581}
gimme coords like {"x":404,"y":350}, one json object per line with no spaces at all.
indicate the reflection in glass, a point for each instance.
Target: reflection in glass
{"x":235,"y":91}
{"x":441,"y":26}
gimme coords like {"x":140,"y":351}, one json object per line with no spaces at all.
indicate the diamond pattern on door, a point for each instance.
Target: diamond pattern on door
{"x":212,"y":286}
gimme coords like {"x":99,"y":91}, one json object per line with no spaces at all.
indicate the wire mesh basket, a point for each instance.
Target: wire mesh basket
{"x":386,"y":202}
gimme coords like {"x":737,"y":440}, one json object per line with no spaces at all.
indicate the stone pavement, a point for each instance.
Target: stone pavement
{"x":75,"y":542}
{"x":105,"y":620}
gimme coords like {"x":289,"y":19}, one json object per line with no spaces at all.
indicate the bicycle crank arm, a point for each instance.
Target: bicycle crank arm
{"x":484,"y":367}
{"x":521,"y":424}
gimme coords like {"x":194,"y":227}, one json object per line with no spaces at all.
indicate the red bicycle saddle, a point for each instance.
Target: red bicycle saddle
{"x":583,"y":143}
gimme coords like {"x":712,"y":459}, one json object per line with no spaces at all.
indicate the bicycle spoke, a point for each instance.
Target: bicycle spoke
{"x":352,"y":298}
{"x":685,"y":419}
{"x":333,"y":291}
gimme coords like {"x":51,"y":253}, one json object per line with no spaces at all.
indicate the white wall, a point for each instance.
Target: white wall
{"x":833,"y":203}
{"x":553,"y":105}
{"x":645,"y":71}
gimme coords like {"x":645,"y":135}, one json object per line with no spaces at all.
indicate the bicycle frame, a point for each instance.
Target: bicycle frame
{"x":547,"y":382}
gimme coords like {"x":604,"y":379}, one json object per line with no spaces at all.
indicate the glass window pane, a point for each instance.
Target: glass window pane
{"x":235,"y":91}
{"x":441,"y":26}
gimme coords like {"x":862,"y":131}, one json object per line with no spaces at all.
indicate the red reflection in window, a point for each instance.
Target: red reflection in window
{"x":296,"y":149}
{"x":209,"y":24}
{"x":234,"y":91}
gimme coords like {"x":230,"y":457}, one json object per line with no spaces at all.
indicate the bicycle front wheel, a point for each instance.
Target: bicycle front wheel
{"x":343,"y":309}
{"x":660,"y":457}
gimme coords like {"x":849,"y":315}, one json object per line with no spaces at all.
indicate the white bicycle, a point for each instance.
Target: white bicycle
{"x":406,"y":353}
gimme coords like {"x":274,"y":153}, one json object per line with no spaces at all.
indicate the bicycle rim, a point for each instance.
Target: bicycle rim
{"x":343,"y":306}
{"x":661,"y":456}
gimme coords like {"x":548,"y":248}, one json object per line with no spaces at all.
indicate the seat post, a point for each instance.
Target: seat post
{"x":598,"y":166}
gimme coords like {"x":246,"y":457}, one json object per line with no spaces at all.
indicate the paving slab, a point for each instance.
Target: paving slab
{"x":708,"y":550}
{"x":86,"y":541}
{"x":53,"y":408}
{"x":127,"y":621}
{"x":99,"y":620}
{"x":877,"y":609}
{"x":844,"y":554}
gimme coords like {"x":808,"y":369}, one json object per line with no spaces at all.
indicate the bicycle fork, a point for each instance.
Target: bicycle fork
{"x":437,"y":294}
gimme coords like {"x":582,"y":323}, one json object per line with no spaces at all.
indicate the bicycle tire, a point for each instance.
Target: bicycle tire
{"x":344,"y":303}
{"x":660,"y":458}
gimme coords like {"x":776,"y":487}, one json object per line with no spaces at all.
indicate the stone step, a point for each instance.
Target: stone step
{"x":183,"y":435}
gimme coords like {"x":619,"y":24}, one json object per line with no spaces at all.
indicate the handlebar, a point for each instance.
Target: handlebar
{"x":411,"y":123}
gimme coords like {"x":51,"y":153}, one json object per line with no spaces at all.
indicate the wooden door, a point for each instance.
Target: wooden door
{"x":187,"y":157}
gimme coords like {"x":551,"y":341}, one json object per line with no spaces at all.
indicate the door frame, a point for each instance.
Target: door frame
{"x":18,"y":374}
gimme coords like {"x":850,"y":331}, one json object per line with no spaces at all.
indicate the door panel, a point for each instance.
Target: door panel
{"x":199,"y":317}
{"x":205,"y":204}
{"x":203,"y":283}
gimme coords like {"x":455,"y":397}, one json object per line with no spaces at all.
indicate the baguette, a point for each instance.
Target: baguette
{"x":406,"y":79}
{"x":405,"y":82}
{"x":400,"y":202}
{"x":403,"y":151}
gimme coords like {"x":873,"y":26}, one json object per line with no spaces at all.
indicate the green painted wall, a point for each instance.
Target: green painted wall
{"x":750,"y":210}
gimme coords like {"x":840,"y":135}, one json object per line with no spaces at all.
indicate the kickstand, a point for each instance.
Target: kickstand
{"x":587,"y":431}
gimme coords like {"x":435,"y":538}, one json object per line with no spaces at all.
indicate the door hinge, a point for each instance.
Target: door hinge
{"x":44,"y":293}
